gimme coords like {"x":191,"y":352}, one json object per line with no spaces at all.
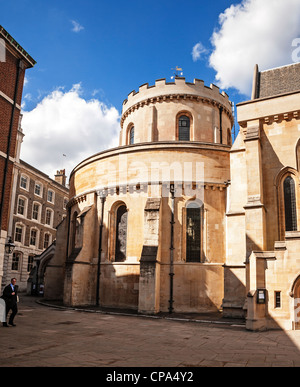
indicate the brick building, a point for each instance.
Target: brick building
{"x":38,"y":205}
{"x":14,"y":61}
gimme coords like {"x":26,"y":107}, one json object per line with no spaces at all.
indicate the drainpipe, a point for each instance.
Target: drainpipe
{"x":103,"y":198}
{"x":68,"y":236}
{"x":20,"y":67}
{"x":221,"y":135}
{"x":171,"y":274}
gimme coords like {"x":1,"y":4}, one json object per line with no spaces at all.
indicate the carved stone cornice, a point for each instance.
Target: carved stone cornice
{"x":76,"y":200}
{"x":142,"y":188}
{"x":270,"y":119}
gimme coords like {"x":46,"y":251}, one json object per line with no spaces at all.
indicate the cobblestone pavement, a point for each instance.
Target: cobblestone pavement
{"x":48,"y":337}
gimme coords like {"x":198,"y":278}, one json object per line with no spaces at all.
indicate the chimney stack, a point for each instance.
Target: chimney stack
{"x":60,"y":177}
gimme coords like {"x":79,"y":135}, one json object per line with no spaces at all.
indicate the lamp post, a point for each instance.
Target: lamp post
{"x":102,"y":194}
{"x":171,"y":274}
{"x":9,"y":246}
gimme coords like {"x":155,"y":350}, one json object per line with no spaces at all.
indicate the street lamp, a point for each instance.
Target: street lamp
{"x":102,"y":194}
{"x":9,"y":246}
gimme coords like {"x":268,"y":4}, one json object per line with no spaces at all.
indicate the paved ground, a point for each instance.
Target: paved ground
{"x":48,"y":337}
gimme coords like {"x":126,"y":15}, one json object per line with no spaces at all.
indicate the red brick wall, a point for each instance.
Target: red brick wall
{"x":6,"y":203}
{"x":8,"y":74}
{"x":8,"y":77}
{"x":6,"y":109}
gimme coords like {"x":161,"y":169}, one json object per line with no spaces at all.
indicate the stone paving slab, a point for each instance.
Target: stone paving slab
{"x":52,"y":337}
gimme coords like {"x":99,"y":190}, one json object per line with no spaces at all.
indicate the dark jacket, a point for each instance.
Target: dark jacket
{"x":8,"y":297}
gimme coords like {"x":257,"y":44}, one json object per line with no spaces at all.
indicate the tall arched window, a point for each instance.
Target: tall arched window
{"x":121,"y":234}
{"x":290,"y":204}
{"x":131,"y":136}
{"x":74,"y":230}
{"x":193,"y":232}
{"x":184,"y":128}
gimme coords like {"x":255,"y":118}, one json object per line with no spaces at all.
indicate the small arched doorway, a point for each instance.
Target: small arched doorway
{"x":297,"y":303}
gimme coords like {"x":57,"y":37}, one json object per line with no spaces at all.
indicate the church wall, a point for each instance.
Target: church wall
{"x":279,"y":135}
{"x":158,"y":122}
{"x":119,"y":281}
{"x":54,"y":275}
{"x":234,"y":268}
{"x":143,"y":163}
{"x":136,"y":179}
{"x":279,"y":142}
{"x":198,"y":287}
{"x":271,"y":126}
{"x":79,"y":283}
{"x":277,"y":272}
{"x":236,"y":200}
{"x":119,"y":285}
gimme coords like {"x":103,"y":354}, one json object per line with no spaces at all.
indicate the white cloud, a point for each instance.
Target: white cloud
{"x":28,"y":96}
{"x":197,"y":51}
{"x":76,"y":26}
{"x":64,"y":123}
{"x":253,"y":32}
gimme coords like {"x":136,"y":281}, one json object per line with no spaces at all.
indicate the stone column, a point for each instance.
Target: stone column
{"x":254,"y":209}
{"x":257,"y":312}
{"x":149,"y":282}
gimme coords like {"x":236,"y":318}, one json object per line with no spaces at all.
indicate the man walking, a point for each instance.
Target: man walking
{"x":10,"y":296}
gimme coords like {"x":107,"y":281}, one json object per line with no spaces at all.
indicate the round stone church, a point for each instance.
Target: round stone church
{"x":146,"y":219}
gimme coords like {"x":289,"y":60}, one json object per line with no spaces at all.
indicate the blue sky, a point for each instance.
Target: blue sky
{"x":122,"y":44}
{"x":91,"y":54}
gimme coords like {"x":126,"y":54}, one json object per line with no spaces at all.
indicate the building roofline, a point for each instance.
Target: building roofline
{"x":13,"y":43}
{"x":43,"y":174}
{"x":266,"y":98}
{"x":280,"y":67}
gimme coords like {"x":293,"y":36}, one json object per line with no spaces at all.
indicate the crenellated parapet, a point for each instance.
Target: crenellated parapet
{"x":178,"y":90}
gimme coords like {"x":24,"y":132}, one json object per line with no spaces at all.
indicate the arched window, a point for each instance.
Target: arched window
{"x":193,"y":232}
{"x":290,"y":204}
{"x":121,"y":234}
{"x":74,"y":230}
{"x":131,"y":136}
{"x":184,"y":128}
